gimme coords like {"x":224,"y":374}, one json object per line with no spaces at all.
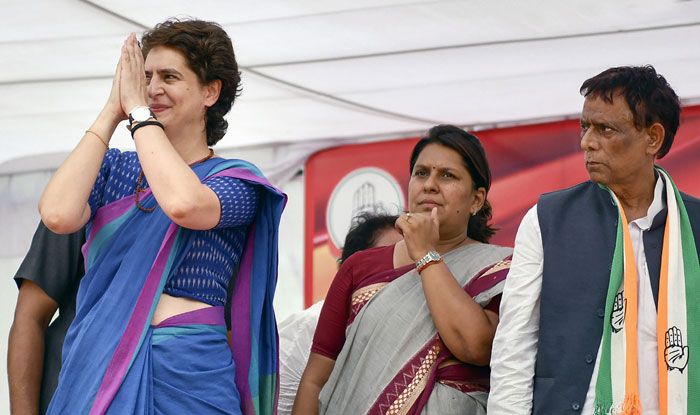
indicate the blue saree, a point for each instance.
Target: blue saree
{"x":129,"y":255}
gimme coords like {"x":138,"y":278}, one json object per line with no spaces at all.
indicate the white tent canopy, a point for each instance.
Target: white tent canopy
{"x":320,"y":69}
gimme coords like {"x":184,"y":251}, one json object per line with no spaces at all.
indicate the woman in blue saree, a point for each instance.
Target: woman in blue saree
{"x":174,"y":235}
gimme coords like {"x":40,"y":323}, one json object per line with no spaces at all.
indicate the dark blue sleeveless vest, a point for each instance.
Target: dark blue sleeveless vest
{"x":578,"y":228}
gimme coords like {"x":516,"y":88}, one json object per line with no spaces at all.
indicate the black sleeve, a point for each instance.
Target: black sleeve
{"x":54,"y":262}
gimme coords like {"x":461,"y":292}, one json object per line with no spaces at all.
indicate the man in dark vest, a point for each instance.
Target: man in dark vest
{"x":600,"y":309}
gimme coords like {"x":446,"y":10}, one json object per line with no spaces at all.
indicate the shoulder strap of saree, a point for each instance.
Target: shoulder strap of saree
{"x":253,"y":326}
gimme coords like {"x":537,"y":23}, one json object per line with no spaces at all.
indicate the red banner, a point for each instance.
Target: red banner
{"x":525,"y":162}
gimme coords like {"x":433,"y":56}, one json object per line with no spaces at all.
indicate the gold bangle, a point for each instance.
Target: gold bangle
{"x":98,"y":137}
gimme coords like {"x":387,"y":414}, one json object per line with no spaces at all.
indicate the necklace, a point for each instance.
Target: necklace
{"x":140,"y":189}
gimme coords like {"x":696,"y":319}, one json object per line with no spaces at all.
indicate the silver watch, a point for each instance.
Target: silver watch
{"x":140,"y":113}
{"x":431,"y":256}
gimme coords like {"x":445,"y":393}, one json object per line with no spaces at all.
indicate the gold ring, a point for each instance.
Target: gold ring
{"x":408,"y":215}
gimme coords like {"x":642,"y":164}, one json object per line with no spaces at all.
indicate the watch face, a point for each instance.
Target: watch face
{"x":140,"y":114}
{"x":431,"y":256}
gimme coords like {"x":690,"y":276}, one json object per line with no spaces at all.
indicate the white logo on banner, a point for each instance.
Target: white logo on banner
{"x":365,"y":189}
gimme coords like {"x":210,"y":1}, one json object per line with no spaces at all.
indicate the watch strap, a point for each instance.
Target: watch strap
{"x":144,"y":124}
{"x":432,"y":257}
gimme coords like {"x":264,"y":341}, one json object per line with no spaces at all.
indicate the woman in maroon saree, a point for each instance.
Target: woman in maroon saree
{"x":407,"y":329}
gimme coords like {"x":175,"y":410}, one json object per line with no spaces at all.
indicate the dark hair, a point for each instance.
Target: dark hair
{"x":649,"y":96}
{"x":469,"y":148}
{"x":209,"y":53}
{"x":364,"y":231}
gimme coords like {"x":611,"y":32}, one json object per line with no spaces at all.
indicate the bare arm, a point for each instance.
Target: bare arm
{"x":175,"y":186}
{"x":180,"y":194}
{"x":315,"y":376}
{"x":63,"y":205}
{"x":25,"y":351}
{"x":465,"y":328}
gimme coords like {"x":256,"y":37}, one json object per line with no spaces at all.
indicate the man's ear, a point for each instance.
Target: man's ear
{"x":212,"y":90}
{"x":656,"y":133}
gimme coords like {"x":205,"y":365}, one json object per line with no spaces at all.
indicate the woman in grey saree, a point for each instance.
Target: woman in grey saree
{"x":407,"y":329}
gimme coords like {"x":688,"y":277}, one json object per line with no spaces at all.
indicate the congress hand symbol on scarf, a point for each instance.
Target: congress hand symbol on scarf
{"x":617,"y":389}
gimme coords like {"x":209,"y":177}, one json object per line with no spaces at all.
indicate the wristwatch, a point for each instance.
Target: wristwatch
{"x":140,"y":113}
{"x":432,"y":257}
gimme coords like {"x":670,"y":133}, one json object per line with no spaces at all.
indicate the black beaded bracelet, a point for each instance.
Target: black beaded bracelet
{"x":143,"y":124}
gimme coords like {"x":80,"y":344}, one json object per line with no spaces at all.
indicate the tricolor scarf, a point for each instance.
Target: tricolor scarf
{"x":129,"y":256}
{"x":617,"y":389}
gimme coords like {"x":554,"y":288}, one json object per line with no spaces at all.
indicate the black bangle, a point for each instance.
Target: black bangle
{"x":143,"y":124}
